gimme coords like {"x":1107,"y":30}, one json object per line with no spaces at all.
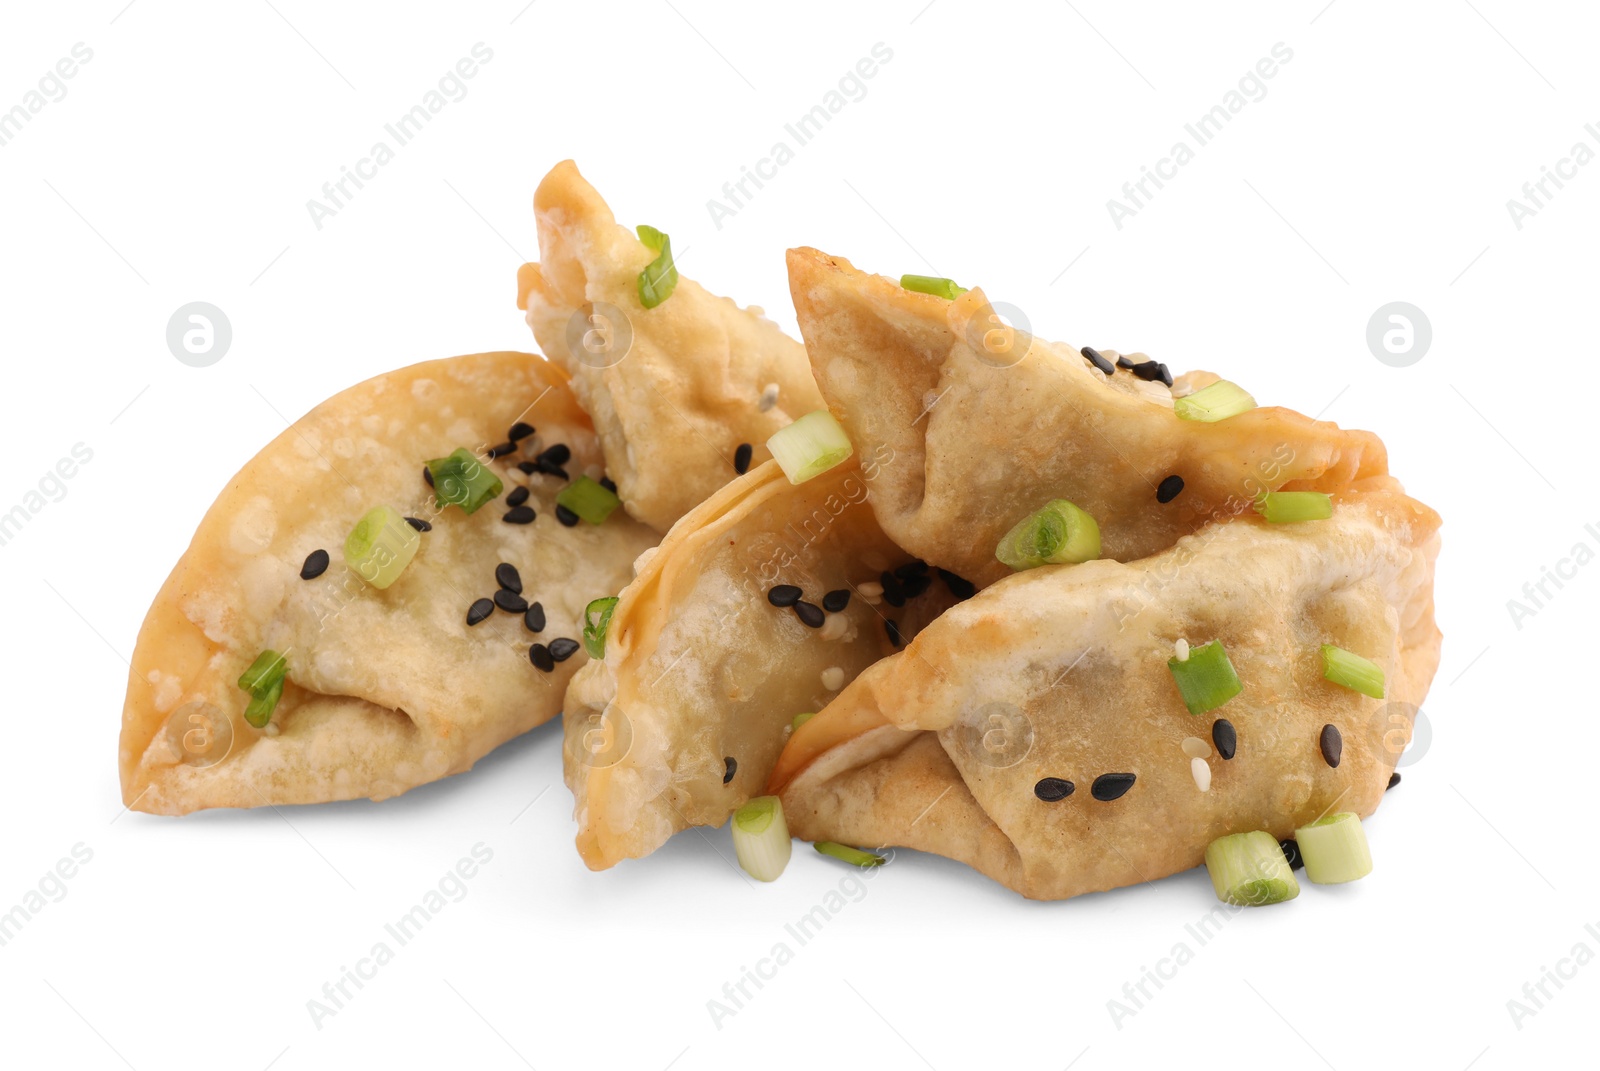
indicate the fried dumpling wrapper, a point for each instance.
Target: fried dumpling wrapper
{"x":674,"y":390}
{"x":991,"y":423}
{"x":386,"y":689}
{"x":1061,"y":672}
{"x":680,"y":724}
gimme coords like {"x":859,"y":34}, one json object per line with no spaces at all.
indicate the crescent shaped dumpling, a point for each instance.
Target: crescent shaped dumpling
{"x":1061,"y":673}
{"x":674,"y":390}
{"x":385,"y":689}
{"x":680,"y":724}
{"x":992,"y":423}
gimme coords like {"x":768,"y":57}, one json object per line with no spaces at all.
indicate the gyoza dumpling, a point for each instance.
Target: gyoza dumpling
{"x":680,"y":724}
{"x":386,"y":688}
{"x":674,"y":390}
{"x":988,"y":424}
{"x":1051,"y":749}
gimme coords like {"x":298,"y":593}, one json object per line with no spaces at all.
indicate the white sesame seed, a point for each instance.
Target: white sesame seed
{"x":1196,"y":748}
{"x":871,"y":590}
{"x":834,"y":627}
{"x":833,"y":678}
{"x":1200,"y":770}
{"x":769,"y":397}
{"x":271,"y":729}
{"x":1181,"y":649}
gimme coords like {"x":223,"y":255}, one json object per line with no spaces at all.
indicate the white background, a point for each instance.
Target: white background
{"x":1377,"y":168}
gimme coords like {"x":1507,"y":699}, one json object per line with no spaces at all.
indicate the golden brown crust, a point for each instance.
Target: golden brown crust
{"x":386,"y":689}
{"x":991,"y":424}
{"x":1062,"y":672}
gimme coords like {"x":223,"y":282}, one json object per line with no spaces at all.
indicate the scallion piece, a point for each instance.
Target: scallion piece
{"x":380,"y":546}
{"x":1219,"y":401}
{"x":932,"y":284}
{"x":801,"y":719}
{"x":1058,"y":533}
{"x":1335,"y":849}
{"x":589,"y":500}
{"x":264,"y":681}
{"x":1249,"y":869}
{"x":847,"y":854}
{"x":810,"y":446}
{"x":1351,"y":671}
{"x":660,"y":276}
{"x":462,"y":480}
{"x":596,"y":622}
{"x":1291,"y":507}
{"x":761,"y":838}
{"x":1206,"y":679}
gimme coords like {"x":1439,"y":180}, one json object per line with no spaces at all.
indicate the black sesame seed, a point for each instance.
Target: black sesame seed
{"x":427,"y":475}
{"x":730,"y":766}
{"x":419,"y":524}
{"x":1123,"y":362}
{"x":1291,"y":853}
{"x":1152,"y":371}
{"x":567,"y":518}
{"x":1111,"y":786}
{"x":501,"y":450}
{"x":316,"y":564}
{"x":506,"y":575}
{"x":517,"y":497}
{"x":960,"y":587}
{"x":563,"y":649}
{"x":741,"y":458}
{"x":606,"y":482}
{"x":834,"y":601}
{"x":510,"y":601}
{"x":911,"y":570}
{"x":1098,"y":361}
{"x":893,"y":630}
{"x":519,"y":515}
{"x":550,"y":468}
{"x":528,"y":467}
{"x":916,"y":585}
{"x":479,"y":611}
{"x":784,"y":595}
{"x":559,"y":454}
{"x":1169,"y":489}
{"x":519,"y":431}
{"x":539,"y":655}
{"x":810,"y":614}
{"x":1223,"y":735}
{"x":1332,"y":744}
{"x":1394,"y":779}
{"x":894,"y":593}
{"x":1051,"y":789}
{"x":534,"y":618}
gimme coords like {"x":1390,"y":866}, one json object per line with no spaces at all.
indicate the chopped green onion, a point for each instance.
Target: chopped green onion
{"x":264,"y":681}
{"x":800,"y":719}
{"x":462,"y":480}
{"x":1219,"y":401}
{"x":1351,"y":671}
{"x":589,"y":500}
{"x":594,"y":631}
{"x":1335,"y":849}
{"x":1249,"y":869}
{"x":761,"y":838}
{"x":381,"y":545}
{"x":1289,"y":507}
{"x":1206,"y":679}
{"x":810,"y":446}
{"x":932,"y":284}
{"x":845,"y":853}
{"x":660,"y":276}
{"x":1058,"y":533}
